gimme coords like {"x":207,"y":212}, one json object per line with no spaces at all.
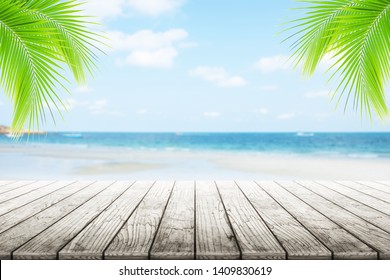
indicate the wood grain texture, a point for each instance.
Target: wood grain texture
{"x":385,"y":183}
{"x":14,"y":186}
{"x":339,"y":241}
{"x":25,"y":190}
{"x":24,"y":231}
{"x":296,"y":239}
{"x":381,"y":195}
{"x":22,"y":213}
{"x":3,"y":184}
{"x":365,"y":212}
{"x":255,"y":239}
{"x":214,"y":236}
{"x":367,"y":232}
{"x":175,"y":236}
{"x":39,"y":190}
{"x":91,"y":242}
{"x":368,"y":200}
{"x":376,"y":185}
{"x":48,"y":243}
{"x":194,"y":220}
{"x":135,"y":238}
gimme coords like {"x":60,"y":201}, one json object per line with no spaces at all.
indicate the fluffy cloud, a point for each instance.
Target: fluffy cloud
{"x":93,"y":107}
{"x":273,"y":63}
{"x":155,"y":7}
{"x":145,"y":39}
{"x":113,"y":8}
{"x":103,"y":8}
{"x":283,"y":62}
{"x":98,"y":107}
{"x":217,"y":75}
{"x":148,"y":48}
{"x":84,"y":89}
{"x":162,"y":58}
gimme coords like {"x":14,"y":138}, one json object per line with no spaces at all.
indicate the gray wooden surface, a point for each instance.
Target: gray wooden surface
{"x":175,"y":237}
{"x":195,"y":220}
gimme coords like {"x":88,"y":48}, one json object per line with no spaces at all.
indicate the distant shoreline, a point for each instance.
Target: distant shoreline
{"x":6,"y":130}
{"x":104,"y":163}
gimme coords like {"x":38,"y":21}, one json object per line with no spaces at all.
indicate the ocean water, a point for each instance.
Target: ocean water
{"x":365,"y":145}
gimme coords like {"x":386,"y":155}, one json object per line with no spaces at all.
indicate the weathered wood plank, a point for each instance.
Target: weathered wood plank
{"x":27,"y":189}
{"x":22,"y":213}
{"x":40,"y":191}
{"x":214,"y":236}
{"x":3,"y":183}
{"x":201,"y":220}
{"x":255,"y":239}
{"x":376,"y":185}
{"x":175,"y":236}
{"x":385,"y":183}
{"x":363,"y":211}
{"x":135,"y":238}
{"x":361,"y":197}
{"x":367,"y":232}
{"x":339,"y":241}
{"x":48,"y":243}
{"x":384,"y":196}
{"x":24,"y":231}
{"x":91,"y":242}
{"x":296,"y":239}
{"x":14,"y":185}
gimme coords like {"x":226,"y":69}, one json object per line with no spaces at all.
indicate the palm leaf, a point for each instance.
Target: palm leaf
{"x":357,"y":34}
{"x":38,"y":38}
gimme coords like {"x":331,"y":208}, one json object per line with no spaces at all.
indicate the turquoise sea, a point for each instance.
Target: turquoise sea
{"x":370,"y":145}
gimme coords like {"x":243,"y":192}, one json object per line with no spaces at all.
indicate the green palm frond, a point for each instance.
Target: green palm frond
{"x":356,"y":33}
{"x":37,"y":39}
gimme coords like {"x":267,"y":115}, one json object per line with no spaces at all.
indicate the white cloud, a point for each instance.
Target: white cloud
{"x":273,"y":63}
{"x":94,"y":107}
{"x":104,"y":9}
{"x":145,"y":39}
{"x":283,"y":62}
{"x":162,"y":58}
{"x":211,"y":114}
{"x":188,"y":45}
{"x":217,"y":75}
{"x":113,"y":8}
{"x":155,"y":7}
{"x":148,"y":48}
{"x":318,"y":94}
{"x":286,"y":116}
{"x":84,"y":89}
{"x":98,"y":107}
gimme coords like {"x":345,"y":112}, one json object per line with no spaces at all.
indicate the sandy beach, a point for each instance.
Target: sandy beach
{"x":57,"y":162}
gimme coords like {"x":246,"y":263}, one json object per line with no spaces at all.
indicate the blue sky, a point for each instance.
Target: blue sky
{"x":197,"y":65}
